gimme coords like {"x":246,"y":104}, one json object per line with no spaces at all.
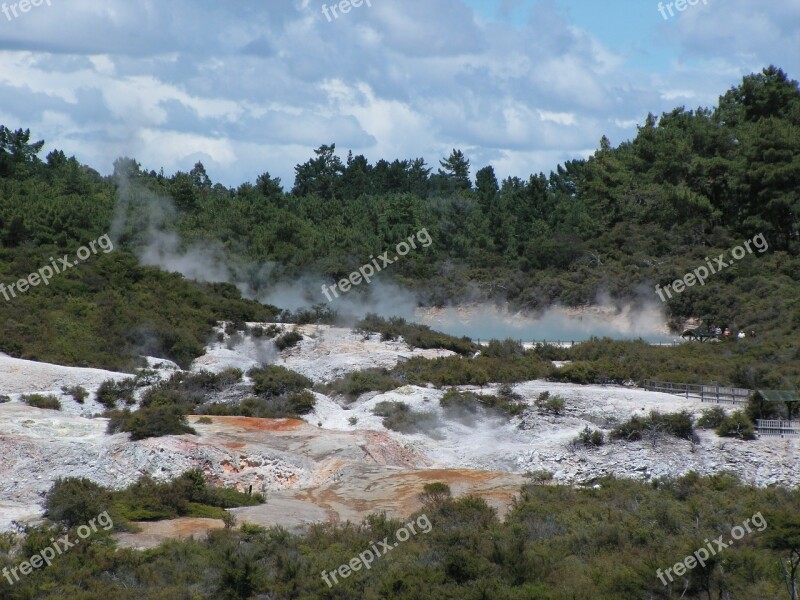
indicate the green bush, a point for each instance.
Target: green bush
{"x":187,"y":495}
{"x":737,"y":425}
{"x":301,"y":403}
{"x":540,"y":476}
{"x":288,"y":340}
{"x":415,"y":335}
{"x":4,"y":398}
{"x":150,"y":421}
{"x":291,"y":405}
{"x":274,"y":380}
{"x":74,"y":501}
{"x":111,"y":391}
{"x":548,"y":404}
{"x":589,"y":438}
{"x":457,"y":404}
{"x":679,"y":425}
{"x":398,"y":416}
{"x":435,"y":494}
{"x":503,"y":349}
{"x":356,"y":383}
{"x":78,"y":393}
{"x":711,"y":418}
{"x":49,"y":401}
{"x":187,"y":390}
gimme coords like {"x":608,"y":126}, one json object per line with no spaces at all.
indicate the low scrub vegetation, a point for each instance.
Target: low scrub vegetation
{"x":589,"y":438}
{"x":711,"y":418}
{"x":75,"y":501}
{"x":549,"y":404}
{"x":416,"y":336}
{"x":78,"y":393}
{"x":398,"y":416}
{"x":49,"y":401}
{"x":621,"y":531}
{"x":288,"y":340}
{"x":457,"y":403}
{"x":188,"y":390}
{"x":274,"y":380}
{"x":355,"y":383}
{"x":290,"y":405}
{"x":737,"y":425}
{"x":112,"y":391}
{"x":679,"y":425}
{"x":150,"y":421}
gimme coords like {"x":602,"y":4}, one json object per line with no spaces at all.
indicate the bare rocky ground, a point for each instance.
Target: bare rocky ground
{"x":340,"y":462}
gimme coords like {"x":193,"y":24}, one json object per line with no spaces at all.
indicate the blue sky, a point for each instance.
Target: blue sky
{"x":255,"y":86}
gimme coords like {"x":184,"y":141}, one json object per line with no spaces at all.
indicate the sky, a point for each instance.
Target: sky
{"x":254,"y":86}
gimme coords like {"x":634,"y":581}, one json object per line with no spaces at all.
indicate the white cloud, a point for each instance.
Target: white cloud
{"x":252,"y":87}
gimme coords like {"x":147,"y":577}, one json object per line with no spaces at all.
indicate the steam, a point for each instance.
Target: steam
{"x":143,"y":218}
{"x":557,"y":323}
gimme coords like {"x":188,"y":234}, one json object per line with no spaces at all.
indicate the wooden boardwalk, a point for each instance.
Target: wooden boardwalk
{"x":706,"y":393}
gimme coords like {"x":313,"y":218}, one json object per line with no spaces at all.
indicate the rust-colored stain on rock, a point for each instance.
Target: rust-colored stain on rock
{"x":254,"y":424}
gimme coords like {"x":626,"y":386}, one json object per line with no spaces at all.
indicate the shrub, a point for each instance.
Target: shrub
{"x":456,"y":370}
{"x":737,"y":425}
{"x":205,"y":421}
{"x":187,"y":390}
{"x":78,"y":393}
{"x":398,"y":416}
{"x":301,"y":403}
{"x":280,"y":407}
{"x":186,"y":495}
{"x":74,"y":501}
{"x":503,"y":349}
{"x":679,"y":425}
{"x":540,"y":476}
{"x":356,"y":383}
{"x":457,"y":403}
{"x":288,"y":340}
{"x":577,"y":372}
{"x":549,"y":404}
{"x":49,"y":402}
{"x":435,"y":493}
{"x":453,"y":401}
{"x":110,"y":392}
{"x":4,"y":399}
{"x":150,"y":421}
{"x":711,"y":418}
{"x":274,"y":380}
{"x":589,"y":438}
{"x":415,"y":335}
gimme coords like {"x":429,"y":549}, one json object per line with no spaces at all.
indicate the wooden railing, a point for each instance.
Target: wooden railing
{"x":706,"y":393}
{"x":777,"y":427}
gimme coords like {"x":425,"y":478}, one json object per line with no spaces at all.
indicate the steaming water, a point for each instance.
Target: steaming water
{"x":556,"y":324}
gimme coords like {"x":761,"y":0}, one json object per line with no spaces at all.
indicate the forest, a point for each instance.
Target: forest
{"x":691,"y":184}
